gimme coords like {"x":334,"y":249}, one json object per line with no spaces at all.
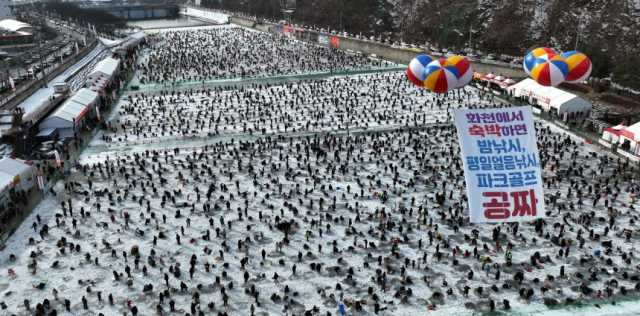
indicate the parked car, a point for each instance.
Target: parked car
{"x":51,"y":144}
{"x":44,"y":153}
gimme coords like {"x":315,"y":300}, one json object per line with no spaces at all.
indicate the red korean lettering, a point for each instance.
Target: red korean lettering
{"x":524,"y":203}
{"x":498,"y":205}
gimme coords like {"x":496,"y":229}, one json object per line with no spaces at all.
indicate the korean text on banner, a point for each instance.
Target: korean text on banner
{"x":501,"y":164}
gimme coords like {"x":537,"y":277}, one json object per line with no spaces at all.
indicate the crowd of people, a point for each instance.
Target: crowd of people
{"x":383,"y":100}
{"x":295,"y":223}
{"x":232,"y":52}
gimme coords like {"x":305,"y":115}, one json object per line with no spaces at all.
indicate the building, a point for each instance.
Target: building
{"x":15,"y":34}
{"x":611,"y":135}
{"x":102,"y":74}
{"x":73,"y":114}
{"x":130,"y":42}
{"x":6,"y":9}
{"x":15,"y":175}
{"x":8,"y":26}
{"x":550,"y":99}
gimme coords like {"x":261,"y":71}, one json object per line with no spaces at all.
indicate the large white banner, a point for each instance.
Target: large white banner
{"x":501,"y":164}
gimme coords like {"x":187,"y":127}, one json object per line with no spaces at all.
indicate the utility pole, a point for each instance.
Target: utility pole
{"x":42,"y":31}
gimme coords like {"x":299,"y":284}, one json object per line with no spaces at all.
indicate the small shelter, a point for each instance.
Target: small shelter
{"x":71,"y":116}
{"x":551,"y":99}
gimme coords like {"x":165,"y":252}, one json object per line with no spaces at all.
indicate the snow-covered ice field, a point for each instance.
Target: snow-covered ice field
{"x":252,"y":205}
{"x":232,"y":52}
{"x":334,"y":104}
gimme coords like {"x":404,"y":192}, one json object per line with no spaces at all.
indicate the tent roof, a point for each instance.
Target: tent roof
{"x":13,"y":25}
{"x":76,"y":106}
{"x":84,"y":97}
{"x":635,"y":129}
{"x":129,"y":40}
{"x":12,"y":166}
{"x":612,"y":131}
{"x":106,"y":66}
{"x":139,"y":35}
{"x":550,"y":95}
{"x":68,"y":111}
{"x":5,"y":179}
{"x":620,"y":126}
{"x":46,"y":132}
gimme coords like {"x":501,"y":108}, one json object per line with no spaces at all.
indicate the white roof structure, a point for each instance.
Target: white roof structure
{"x":6,"y":181}
{"x":550,"y":97}
{"x":101,"y":74}
{"x":19,"y":168}
{"x":107,"y":66}
{"x":131,"y":40}
{"x":632,"y":133}
{"x":75,"y":108}
{"x":98,"y":84}
{"x":13,"y":25}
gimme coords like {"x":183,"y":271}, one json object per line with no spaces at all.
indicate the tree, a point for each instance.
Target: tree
{"x":627,"y":72}
{"x":600,"y":61}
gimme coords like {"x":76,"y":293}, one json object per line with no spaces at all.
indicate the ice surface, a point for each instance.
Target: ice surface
{"x":281,"y":179}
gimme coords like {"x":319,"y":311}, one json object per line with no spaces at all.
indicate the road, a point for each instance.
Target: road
{"x":63,"y":44}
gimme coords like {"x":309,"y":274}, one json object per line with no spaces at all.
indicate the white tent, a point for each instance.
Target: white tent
{"x":630,"y":135}
{"x":130,"y":41}
{"x":612,"y":134}
{"x":22,"y":174}
{"x":550,"y":98}
{"x":106,"y":67}
{"x":69,"y":117}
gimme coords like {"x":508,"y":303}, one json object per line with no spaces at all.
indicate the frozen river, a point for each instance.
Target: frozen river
{"x":298,"y":197}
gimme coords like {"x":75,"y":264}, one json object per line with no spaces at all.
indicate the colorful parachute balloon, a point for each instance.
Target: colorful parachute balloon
{"x":415,"y":71}
{"x":465,"y":72}
{"x":549,"y":72}
{"x":530,"y":58}
{"x":440,"y":76}
{"x":579,"y":66}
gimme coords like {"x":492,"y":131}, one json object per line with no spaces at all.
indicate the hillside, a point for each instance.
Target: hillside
{"x":498,"y":26}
